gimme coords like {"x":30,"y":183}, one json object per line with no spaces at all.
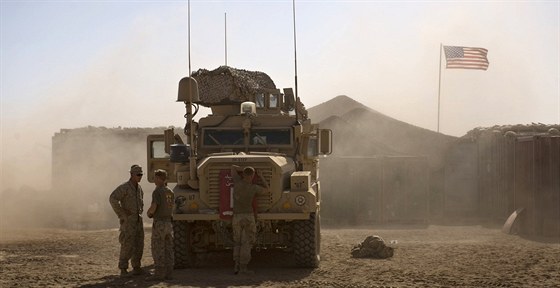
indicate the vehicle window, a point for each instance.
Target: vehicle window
{"x":259,"y":99}
{"x":215,"y":137}
{"x":271,"y":137}
{"x":273,"y":101}
{"x":312,"y":147}
{"x":158,"y":150}
{"x":257,"y":137}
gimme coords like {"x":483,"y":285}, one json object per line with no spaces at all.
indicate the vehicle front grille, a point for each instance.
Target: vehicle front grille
{"x":264,"y":202}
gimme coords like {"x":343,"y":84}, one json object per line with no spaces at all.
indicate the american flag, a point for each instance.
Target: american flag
{"x":466,"y":57}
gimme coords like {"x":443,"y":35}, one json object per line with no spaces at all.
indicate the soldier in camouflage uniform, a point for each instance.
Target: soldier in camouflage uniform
{"x":127,"y":201}
{"x":162,"y":229}
{"x":243,"y":222}
{"x":372,"y":247}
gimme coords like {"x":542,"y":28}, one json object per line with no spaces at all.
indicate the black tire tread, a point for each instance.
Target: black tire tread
{"x":306,"y":242}
{"x":182,"y":247}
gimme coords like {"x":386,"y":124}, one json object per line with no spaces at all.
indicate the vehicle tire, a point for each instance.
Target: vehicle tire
{"x":307,"y":241}
{"x":182,"y":242}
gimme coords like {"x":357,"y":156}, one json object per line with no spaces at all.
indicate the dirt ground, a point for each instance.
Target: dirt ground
{"x":432,"y":256}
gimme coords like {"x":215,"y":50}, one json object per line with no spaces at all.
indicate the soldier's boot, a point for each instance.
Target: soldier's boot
{"x":124,"y":272}
{"x":169,"y":273}
{"x":243,"y":269}
{"x":138,"y":271}
{"x":236,"y":268}
{"x":159,"y":275}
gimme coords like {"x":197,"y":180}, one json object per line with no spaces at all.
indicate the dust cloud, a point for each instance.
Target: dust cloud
{"x":122,"y":87}
{"x":88,"y":163}
{"x":394,"y":169}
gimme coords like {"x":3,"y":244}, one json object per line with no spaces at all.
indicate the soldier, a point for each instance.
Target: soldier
{"x":243,"y":222}
{"x":162,"y":229}
{"x":127,"y":201}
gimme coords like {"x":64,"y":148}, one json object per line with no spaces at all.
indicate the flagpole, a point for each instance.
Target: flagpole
{"x":439,"y":88}
{"x":225,"y":37}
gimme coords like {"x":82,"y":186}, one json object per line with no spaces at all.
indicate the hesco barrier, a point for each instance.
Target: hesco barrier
{"x":510,"y":171}
{"x":388,"y":189}
{"x":460,"y":180}
{"x":536,"y":185}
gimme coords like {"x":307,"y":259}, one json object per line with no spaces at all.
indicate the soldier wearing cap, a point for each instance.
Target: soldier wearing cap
{"x":127,"y":201}
{"x":243,"y":222}
{"x":162,"y":228}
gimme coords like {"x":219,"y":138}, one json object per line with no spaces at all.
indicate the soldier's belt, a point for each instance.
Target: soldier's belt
{"x":163,"y":220}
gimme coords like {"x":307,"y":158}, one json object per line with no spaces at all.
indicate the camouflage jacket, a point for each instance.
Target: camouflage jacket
{"x":126,"y":200}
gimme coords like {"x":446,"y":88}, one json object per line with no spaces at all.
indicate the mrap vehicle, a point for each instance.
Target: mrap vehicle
{"x":262,"y":128}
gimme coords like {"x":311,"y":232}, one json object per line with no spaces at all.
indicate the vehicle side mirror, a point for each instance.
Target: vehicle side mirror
{"x":168,"y":138}
{"x":325,"y":141}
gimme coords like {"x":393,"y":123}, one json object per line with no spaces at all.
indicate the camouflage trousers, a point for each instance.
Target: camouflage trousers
{"x":162,"y":245}
{"x":131,"y":238}
{"x":244,"y":236}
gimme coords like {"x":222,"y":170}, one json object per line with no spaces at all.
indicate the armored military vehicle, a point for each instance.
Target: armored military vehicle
{"x":252,"y":124}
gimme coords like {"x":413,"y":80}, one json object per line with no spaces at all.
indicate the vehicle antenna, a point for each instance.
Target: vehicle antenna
{"x":189,"y":106}
{"x":189,"y":37}
{"x":225,"y":36}
{"x":295,"y":60}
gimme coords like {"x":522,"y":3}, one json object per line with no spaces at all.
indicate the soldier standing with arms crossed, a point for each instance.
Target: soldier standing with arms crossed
{"x":128,"y":203}
{"x":162,"y":229}
{"x":243,"y":222}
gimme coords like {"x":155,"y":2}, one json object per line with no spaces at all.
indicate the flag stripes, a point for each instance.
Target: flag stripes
{"x":458,"y":57}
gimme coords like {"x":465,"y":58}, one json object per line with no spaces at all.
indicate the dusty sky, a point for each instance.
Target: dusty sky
{"x":68,"y":64}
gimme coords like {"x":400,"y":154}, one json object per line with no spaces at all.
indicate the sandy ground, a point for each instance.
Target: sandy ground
{"x":433,"y":256}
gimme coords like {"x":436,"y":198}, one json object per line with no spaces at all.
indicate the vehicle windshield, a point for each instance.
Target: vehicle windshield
{"x":257,"y":137}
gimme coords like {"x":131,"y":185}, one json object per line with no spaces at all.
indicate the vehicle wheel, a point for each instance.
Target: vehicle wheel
{"x":182,"y":242}
{"x":307,"y":241}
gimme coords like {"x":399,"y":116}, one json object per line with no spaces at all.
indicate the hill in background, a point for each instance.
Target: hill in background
{"x":361,"y":131}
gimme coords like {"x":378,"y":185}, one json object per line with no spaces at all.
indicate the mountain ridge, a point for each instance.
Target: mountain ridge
{"x":362,"y":131}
